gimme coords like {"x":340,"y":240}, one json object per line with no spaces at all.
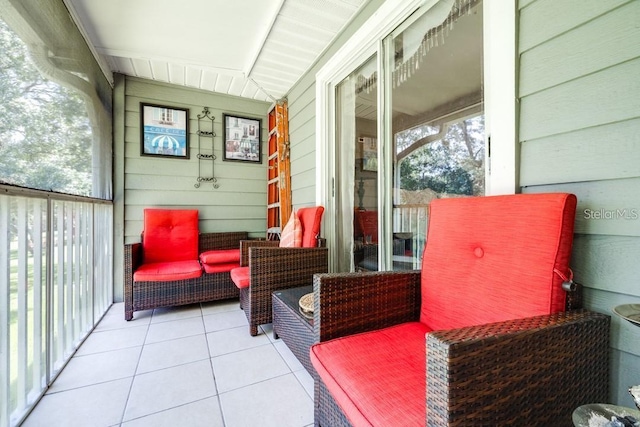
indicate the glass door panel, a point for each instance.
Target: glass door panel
{"x":356,"y":157}
{"x":437,"y":127}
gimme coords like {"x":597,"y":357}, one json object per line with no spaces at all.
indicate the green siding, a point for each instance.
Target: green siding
{"x":237,"y":205}
{"x":580,"y":114}
{"x":302,"y":117}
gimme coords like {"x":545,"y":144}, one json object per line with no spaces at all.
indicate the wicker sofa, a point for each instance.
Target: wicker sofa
{"x":485,"y":335}
{"x":148,"y":294}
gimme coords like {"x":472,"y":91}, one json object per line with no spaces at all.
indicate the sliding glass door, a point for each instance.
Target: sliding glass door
{"x":408,"y":128}
{"x":356,"y":159}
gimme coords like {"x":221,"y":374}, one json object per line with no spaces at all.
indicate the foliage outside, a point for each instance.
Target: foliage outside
{"x":45,"y":132}
{"x":452,"y":165}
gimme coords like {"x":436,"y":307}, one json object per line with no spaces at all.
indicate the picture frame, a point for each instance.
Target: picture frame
{"x":164,"y":131}
{"x":369,"y":153}
{"x":242,"y":139}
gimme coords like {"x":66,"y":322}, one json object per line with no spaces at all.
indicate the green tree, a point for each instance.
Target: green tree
{"x":45,"y":133}
{"x":451,"y":165}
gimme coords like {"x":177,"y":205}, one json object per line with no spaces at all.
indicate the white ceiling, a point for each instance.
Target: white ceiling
{"x":255,"y":49}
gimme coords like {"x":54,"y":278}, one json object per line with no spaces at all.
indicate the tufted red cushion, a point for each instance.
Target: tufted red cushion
{"x":378,"y":378}
{"x":240,"y":277}
{"x":220,"y":256}
{"x":490,"y":259}
{"x":291,"y":236}
{"x":220,"y":268}
{"x":170,"y":235}
{"x":310,"y":219}
{"x":167,"y":271}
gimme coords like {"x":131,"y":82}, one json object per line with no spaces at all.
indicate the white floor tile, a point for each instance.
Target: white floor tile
{"x":114,"y":319}
{"x":174,"y":329}
{"x":232,"y":340}
{"x":170,"y":353}
{"x":288,"y":356}
{"x":220,"y":306}
{"x":96,"y":406}
{"x":278,"y":402}
{"x":267,"y":329}
{"x":306,"y":380}
{"x":101,"y":341}
{"x":168,"y":388}
{"x":203,"y":413}
{"x":225,"y":320}
{"x":167,"y":314}
{"x":97,"y":368}
{"x":242,"y":368}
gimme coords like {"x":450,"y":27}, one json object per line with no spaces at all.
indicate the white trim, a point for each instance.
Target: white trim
{"x":363,"y":44}
{"x":102,"y":63}
{"x":500,"y":70}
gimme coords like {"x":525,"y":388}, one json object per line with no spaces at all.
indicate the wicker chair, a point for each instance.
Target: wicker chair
{"x":385,"y":355}
{"x":174,"y":290}
{"x":265,"y":267}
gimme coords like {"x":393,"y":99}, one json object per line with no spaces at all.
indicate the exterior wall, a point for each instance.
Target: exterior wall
{"x":579,"y":120}
{"x":302,"y":118}
{"x":239,"y":204}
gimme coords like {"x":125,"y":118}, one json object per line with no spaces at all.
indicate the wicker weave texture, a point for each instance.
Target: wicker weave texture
{"x":272,"y":269}
{"x":532,"y":371}
{"x":209,"y":287}
{"x":296,"y":333}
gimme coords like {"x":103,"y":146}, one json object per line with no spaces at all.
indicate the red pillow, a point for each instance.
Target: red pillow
{"x":291,"y":236}
{"x":310,"y":219}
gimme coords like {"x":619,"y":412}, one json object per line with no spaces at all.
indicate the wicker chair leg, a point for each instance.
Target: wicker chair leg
{"x":253,"y":330}
{"x":128,"y":314}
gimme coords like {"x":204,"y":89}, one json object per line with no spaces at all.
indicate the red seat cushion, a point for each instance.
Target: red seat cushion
{"x":167,"y":271}
{"x":500,"y":267}
{"x":240,"y":276}
{"x":220,"y":256}
{"x":220,"y":268}
{"x":310,"y":218}
{"x":378,"y":378}
{"x":170,"y":235}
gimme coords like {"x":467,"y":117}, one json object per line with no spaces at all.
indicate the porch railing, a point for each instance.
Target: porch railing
{"x":56,"y":268}
{"x":412,"y":220}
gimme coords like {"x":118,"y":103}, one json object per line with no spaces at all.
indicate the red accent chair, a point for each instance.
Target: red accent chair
{"x":165,"y":270}
{"x":265,"y":267}
{"x":486,"y":334}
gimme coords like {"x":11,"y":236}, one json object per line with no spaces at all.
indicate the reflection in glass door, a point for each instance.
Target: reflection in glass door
{"x":356,"y":165}
{"x":437,"y":114}
{"x":425,"y":141}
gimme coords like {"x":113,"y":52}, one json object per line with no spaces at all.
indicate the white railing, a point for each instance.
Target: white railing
{"x":56,"y":264}
{"x":412,"y":219}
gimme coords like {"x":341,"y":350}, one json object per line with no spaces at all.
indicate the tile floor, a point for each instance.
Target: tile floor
{"x":190,"y":366}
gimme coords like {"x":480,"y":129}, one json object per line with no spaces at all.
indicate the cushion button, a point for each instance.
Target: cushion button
{"x":478,"y":252}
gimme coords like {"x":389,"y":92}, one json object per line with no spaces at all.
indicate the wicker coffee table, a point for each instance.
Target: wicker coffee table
{"x":289,"y":324}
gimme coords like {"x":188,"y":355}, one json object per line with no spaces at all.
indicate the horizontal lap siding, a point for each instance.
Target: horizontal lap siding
{"x":302,"y":117}
{"x":237,"y":205}
{"x":579,"y":132}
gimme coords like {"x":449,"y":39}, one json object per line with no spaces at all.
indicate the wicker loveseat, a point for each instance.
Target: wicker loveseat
{"x":484,"y":335}
{"x":175,"y":252}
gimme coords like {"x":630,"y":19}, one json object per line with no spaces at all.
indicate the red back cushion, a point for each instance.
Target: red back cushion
{"x":489,"y":259}
{"x":170,"y":235}
{"x":310,"y":219}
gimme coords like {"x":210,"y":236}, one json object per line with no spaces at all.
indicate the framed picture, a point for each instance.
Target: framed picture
{"x":242,"y":139}
{"x":165,"y":131}
{"x":369,"y":154}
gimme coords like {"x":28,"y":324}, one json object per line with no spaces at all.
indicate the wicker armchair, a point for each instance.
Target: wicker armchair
{"x":265,"y":267}
{"x":148,"y":294}
{"x":516,"y":369}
